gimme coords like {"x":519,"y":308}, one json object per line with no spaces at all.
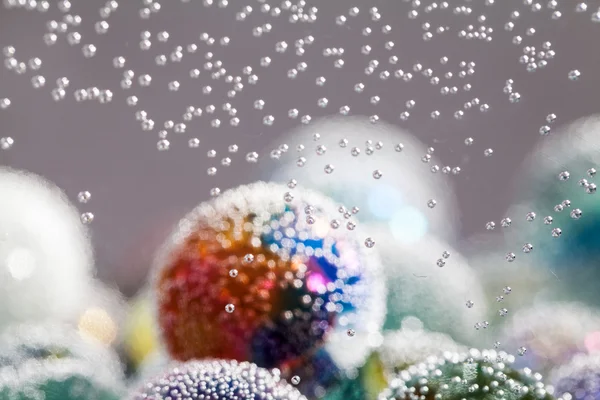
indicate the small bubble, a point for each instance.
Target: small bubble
{"x":87,"y":218}
{"x":369,"y":242}
{"x":564,"y":175}
{"x":499,"y":299}
{"x":377,"y":174}
{"x":295,"y":379}
{"x":574,"y":75}
{"x":488,"y":152}
{"x":591,"y":188}
{"x":505,"y":222}
{"x":496,"y":345}
{"x":350,"y":332}
{"x":163,"y":145}
{"x":431,"y":203}
{"x":288,"y":197}
{"x":510,"y":257}
{"x":530,"y":216}
{"x":527,"y":248}
{"x":446,"y":254}
{"x":292,"y":183}
{"x":469,"y":304}
{"x":329,"y":168}
{"x":490,"y":225}
{"x":440,"y":263}
{"x":84,"y":196}
{"x":522,"y":350}
{"x":6,"y":142}
{"x":230,"y":308}
{"x":233,"y":273}
{"x":507,"y":290}
{"x":591,"y":172}
{"x":548,"y":220}
{"x":335,"y":224}
{"x":576,"y":213}
{"x":469,"y":141}
{"x":556,"y":232}
{"x":503,"y":312}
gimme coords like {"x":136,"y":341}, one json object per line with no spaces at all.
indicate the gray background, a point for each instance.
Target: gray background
{"x":138,"y":192}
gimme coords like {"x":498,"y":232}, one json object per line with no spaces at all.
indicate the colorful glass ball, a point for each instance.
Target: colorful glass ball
{"x":261,"y":274}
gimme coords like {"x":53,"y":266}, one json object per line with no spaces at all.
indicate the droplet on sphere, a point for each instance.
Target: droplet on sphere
{"x":522,"y":350}
{"x":369,"y":242}
{"x":431,"y":203}
{"x":440,"y":263}
{"x":350,"y":332}
{"x":377,"y":174}
{"x":527,"y":248}
{"x":230,"y":308}
{"x":295,"y":379}
{"x":507,"y":290}
{"x":576,"y":213}
{"x":469,"y":304}
{"x":233,"y":273}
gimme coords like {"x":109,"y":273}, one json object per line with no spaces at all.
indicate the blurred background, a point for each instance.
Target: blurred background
{"x":462,"y":136}
{"x":138,"y":192}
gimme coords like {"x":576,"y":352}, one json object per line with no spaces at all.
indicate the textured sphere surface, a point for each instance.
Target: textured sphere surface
{"x":250,"y":276}
{"x":406,"y":347}
{"x":217,"y":380}
{"x":477,"y":374}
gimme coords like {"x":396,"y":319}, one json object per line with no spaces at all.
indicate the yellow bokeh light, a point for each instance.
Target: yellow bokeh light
{"x":97,"y":323}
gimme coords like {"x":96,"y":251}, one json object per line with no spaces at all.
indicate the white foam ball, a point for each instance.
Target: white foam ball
{"x":398,"y":198}
{"x":419,"y":287}
{"x":45,"y":253}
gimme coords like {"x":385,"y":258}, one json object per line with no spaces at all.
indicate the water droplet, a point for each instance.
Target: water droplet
{"x":369,"y":242}
{"x":230,"y":308}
